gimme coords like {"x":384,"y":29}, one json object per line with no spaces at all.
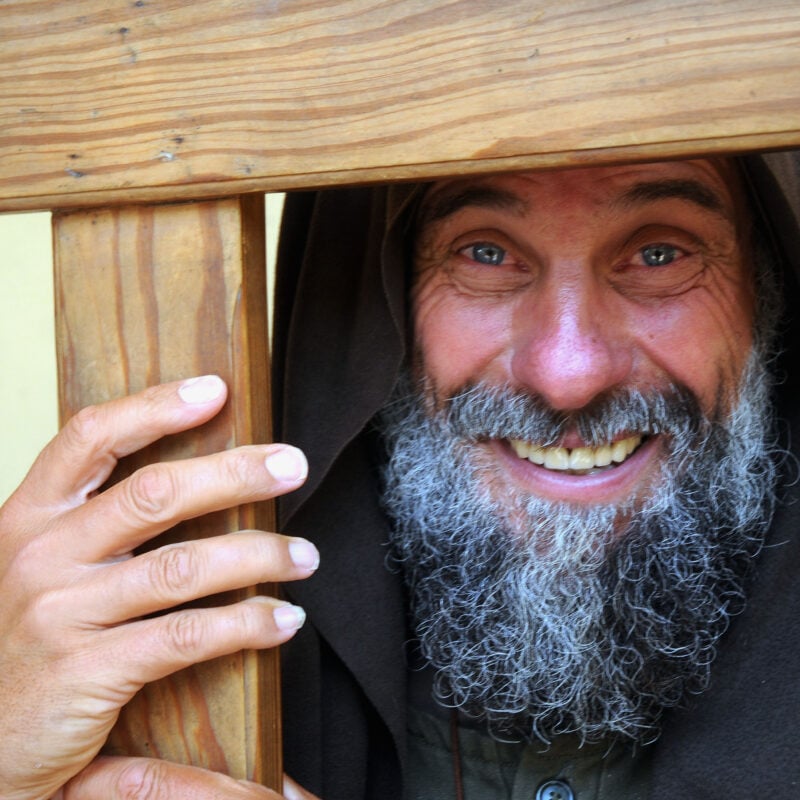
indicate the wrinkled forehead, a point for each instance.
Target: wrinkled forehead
{"x":713,"y":184}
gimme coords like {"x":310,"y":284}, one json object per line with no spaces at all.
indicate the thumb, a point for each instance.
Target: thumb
{"x":116,"y":778}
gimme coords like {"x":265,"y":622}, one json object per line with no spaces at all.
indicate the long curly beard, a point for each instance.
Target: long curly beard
{"x":587,"y":620}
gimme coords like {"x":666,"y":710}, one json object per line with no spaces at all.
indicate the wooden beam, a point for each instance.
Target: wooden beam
{"x":148,"y":294}
{"x":103,"y":101}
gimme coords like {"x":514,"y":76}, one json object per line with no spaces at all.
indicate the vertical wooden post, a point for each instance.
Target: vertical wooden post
{"x":146,"y":294}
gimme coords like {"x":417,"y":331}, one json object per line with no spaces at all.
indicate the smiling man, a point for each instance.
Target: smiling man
{"x":581,"y":479}
{"x":578,"y":467}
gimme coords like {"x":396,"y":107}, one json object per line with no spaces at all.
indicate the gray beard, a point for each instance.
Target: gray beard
{"x":580,"y":619}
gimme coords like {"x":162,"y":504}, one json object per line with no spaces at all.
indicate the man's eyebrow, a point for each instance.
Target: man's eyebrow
{"x":447,"y":203}
{"x":677,"y":189}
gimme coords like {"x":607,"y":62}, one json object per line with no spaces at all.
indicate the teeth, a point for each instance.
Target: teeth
{"x":536,"y":454}
{"x":619,"y":452}
{"x":556,"y":457}
{"x":579,"y":459}
{"x":602,"y":456}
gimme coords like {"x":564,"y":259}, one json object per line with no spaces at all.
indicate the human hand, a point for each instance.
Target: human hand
{"x":109,"y":778}
{"x":293,"y":791}
{"x":74,"y":646}
{"x":120,"y":778}
{"x":117,"y":778}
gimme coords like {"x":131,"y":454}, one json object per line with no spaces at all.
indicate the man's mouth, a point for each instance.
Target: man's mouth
{"x":578,"y":460}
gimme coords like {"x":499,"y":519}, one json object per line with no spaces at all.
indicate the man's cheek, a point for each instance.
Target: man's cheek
{"x":460,"y":344}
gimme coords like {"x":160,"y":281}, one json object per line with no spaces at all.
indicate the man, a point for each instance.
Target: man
{"x":617,"y":308}
{"x":505,"y":332}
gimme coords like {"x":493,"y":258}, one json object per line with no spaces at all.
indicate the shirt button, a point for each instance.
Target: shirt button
{"x":555,"y":790}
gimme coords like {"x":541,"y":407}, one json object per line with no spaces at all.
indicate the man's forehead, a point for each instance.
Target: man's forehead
{"x":712,"y":184}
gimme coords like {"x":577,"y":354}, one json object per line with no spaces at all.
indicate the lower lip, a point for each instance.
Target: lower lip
{"x":616,"y":484}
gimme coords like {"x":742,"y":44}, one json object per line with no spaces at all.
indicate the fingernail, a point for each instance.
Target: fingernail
{"x":290,"y":792}
{"x":287,"y":464}
{"x":289,"y":618}
{"x":202,"y":389}
{"x":303,"y":554}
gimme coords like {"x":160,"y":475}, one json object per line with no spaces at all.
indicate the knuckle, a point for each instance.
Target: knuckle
{"x":42,"y":613}
{"x":250,"y":620}
{"x":151,"y":397}
{"x":149,"y":404}
{"x":152,"y":492}
{"x":35,"y":630}
{"x":174,"y":571}
{"x":24,"y":569}
{"x":26,"y":560}
{"x":238,"y":466}
{"x":247,"y":620}
{"x":143,"y":779}
{"x":85,"y":430}
{"x":185,"y":633}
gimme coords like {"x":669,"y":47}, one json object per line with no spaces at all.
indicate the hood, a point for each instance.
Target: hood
{"x":340,"y":338}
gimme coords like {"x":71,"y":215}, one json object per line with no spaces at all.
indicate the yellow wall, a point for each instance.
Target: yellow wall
{"x":28,"y":400}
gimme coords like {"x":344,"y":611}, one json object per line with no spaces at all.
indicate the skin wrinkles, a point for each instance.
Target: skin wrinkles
{"x":571,"y":310}
{"x":598,"y":305}
{"x":441,"y":205}
{"x":690,"y":190}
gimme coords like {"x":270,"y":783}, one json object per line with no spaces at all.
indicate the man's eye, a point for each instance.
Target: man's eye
{"x":659,"y":255}
{"x":485,"y":253}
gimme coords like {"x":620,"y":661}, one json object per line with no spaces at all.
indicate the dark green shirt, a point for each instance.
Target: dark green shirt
{"x":493,"y":770}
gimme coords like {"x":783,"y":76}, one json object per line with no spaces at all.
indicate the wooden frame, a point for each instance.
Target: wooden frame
{"x":127,"y":108}
{"x":141,"y":100}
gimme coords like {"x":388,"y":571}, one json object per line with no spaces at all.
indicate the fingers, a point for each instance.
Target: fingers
{"x":84,"y":453}
{"x":68,"y":580}
{"x":154,"y":648}
{"x":178,"y":573}
{"x":117,"y":778}
{"x":159,"y":495}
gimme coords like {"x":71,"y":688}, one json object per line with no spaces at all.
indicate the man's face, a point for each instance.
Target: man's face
{"x":578,"y":468}
{"x":572,"y":285}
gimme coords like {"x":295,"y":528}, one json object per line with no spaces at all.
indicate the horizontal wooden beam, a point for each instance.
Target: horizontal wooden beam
{"x":113,"y":101}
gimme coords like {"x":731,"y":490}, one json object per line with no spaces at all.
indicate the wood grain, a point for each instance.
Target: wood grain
{"x":106,"y":101}
{"x":154,"y":293}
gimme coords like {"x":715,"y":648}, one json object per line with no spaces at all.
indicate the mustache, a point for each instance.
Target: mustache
{"x":479,"y":411}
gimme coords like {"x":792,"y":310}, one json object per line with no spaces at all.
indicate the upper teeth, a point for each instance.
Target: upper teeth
{"x":578,"y":458}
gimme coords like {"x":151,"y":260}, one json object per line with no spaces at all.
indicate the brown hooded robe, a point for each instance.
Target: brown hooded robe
{"x":340,"y":338}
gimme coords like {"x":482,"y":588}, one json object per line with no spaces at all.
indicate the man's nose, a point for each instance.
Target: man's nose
{"x":570,"y":343}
